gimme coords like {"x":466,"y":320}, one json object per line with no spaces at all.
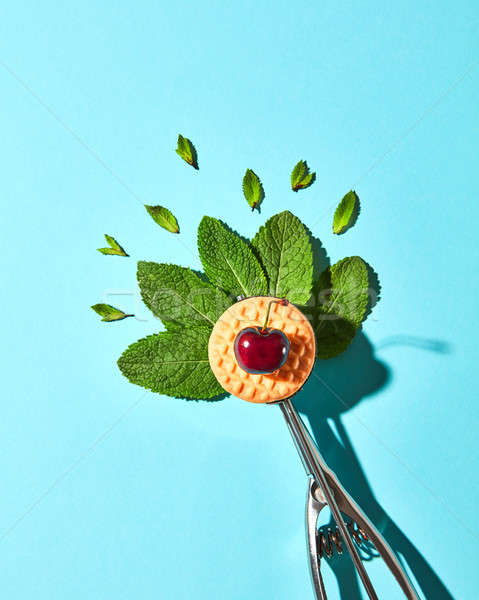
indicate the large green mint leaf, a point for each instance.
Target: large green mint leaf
{"x":172,"y":363}
{"x":284,"y":249}
{"x":187,"y":151}
{"x":339,"y":303}
{"x":109,"y":313}
{"x":252,"y":189}
{"x":179,"y":296}
{"x":228,"y":260}
{"x":115,"y":249}
{"x":346,"y":213}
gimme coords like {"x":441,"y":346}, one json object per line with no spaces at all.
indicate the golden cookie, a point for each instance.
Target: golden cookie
{"x":284,"y":382}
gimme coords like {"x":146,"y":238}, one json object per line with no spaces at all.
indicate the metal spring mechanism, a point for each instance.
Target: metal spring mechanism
{"x":329,"y":541}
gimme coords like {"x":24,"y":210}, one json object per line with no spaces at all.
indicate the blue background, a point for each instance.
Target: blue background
{"x":109,"y":492}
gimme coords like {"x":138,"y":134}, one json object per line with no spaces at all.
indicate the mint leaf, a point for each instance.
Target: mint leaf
{"x":339,"y":304}
{"x":252,"y":189}
{"x":301,"y":177}
{"x":114,"y":249}
{"x":349,"y":289}
{"x":187,"y":151}
{"x":306,"y":181}
{"x":284,"y":249}
{"x":172,"y":363}
{"x":178,"y":296}
{"x":228,"y":260}
{"x":298,"y":173}
{"x":164,"y":218}
{"x":334,"y":338}
{"x":109,"y":313}
{"x":346,"y":213}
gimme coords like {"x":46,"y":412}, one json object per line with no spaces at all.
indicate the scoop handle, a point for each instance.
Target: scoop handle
{"x":333,"y":494}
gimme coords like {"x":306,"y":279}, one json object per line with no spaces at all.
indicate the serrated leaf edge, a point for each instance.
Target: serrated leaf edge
{"x":170,"y":391}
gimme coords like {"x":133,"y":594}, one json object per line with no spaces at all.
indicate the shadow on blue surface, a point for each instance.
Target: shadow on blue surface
{"x":335,"y":387}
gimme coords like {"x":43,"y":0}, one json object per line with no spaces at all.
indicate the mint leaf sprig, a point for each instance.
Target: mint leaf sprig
{"x":278,"y":262}
{"x":114,"y":248}
{"x":301,"y":178}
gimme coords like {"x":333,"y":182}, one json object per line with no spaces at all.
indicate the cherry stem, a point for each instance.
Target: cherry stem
{"x":283,"y":302}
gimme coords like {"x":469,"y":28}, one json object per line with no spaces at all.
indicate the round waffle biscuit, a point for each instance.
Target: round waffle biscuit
{"x":284,"y":382}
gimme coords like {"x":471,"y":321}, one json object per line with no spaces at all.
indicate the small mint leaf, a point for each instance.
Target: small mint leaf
{"x":115,"y":249}
{"x":298,"y":173}
{"x":284,"y":249}
{"x":111,"y":252}
{"x":164,"y":218}
{"x":174,"y":363}
{"x":346,"y":213}
{"x":178,"y":296}
{"x":109,"y":313}
{"x":252,"y":189}
{"x":338,"y":305}
{"x":301,"y":177}
{"x":228,"y":260}
{"x":187,"y":151}
{"x":306,"y":181}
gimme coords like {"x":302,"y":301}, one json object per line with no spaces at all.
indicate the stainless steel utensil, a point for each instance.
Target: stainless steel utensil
{"x":324,"y":490}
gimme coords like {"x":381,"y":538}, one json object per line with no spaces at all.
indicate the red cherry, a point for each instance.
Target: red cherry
{"x":261,"y":351}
